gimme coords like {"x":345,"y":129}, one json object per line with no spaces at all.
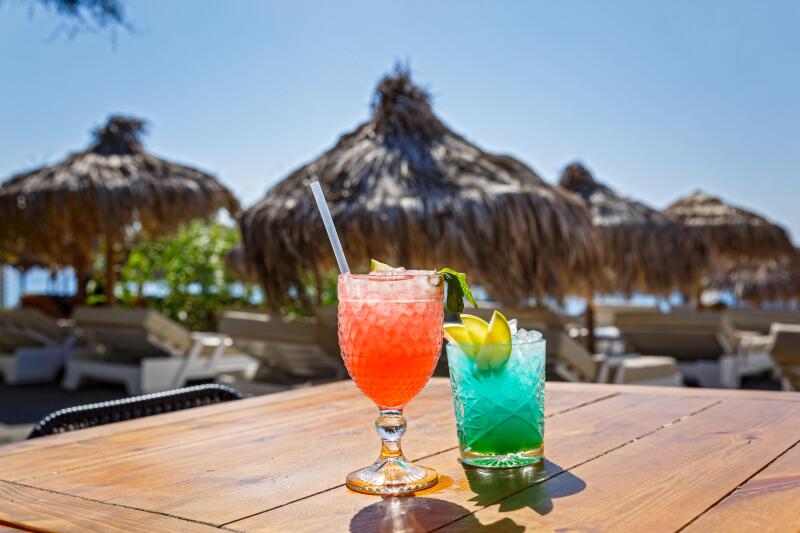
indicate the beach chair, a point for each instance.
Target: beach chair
{"x":605,"y":314}
{"x":760,"y":321}
{"x":785,"y":351}
{"x":687,"y":336}
{"x":705,"y":344}
{"x":575,"y":363}
{"x":327,"y":333}
{"x":33,"y":346}
{"x":290,"y":350}
{"x":537,"y":318}
{"x":147,"y":352}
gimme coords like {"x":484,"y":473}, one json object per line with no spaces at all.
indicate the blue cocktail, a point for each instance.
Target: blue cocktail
{"x":500,"y":408}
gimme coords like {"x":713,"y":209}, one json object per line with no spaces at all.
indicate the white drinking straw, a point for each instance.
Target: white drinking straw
{"x":329,"y":227}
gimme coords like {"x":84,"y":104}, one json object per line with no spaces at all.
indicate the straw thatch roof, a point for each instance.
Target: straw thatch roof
{"x":59,"y":212}
{"x":237,"y":264}
{"x":643,"y":249}
{"x":758,"y":280}
{"x":730,"y":231}
{"x":407,"y":190}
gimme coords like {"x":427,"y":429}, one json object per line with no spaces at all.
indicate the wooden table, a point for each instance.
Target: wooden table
{"x":618,"y":458}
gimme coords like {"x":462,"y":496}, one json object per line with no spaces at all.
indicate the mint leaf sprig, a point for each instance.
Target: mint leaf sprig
{"x":457,"y":290}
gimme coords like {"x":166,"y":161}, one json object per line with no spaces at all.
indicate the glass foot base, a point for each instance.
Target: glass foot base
{"x":509,"y":460}
{"x":392,"y":477}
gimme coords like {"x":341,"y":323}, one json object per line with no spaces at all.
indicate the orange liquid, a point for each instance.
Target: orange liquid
{"x":391,"y":347}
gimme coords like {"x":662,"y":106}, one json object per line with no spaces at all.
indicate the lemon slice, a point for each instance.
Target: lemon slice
{"x":496,"y":346}
{"x":459,"y":334}
{"x":380,"y":267}
{"x":476,"y":326}
{"x":489,"y":344}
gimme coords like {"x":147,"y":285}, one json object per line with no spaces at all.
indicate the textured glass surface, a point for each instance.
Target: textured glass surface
{"x":390,"y":333}
{"x":500,"y":412}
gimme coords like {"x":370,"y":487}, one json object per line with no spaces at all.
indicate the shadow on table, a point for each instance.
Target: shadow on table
{"x":412,"y":514}
{"x":490,"y":485}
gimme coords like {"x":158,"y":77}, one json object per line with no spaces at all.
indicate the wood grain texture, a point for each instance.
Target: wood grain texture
{"x":250,"y":416}
{"x":314,"y":395}
{"x":769,"y":501}
{"x":37,"y":510}
{"x":618,"y":458}
{"x":719,"y":394}
{"x":663,"y":481}
{"x":571,"y":438}
{"x":181,"y":480}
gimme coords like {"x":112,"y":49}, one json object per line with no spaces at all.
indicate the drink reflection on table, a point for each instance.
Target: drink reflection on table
{"x":412,"y":514}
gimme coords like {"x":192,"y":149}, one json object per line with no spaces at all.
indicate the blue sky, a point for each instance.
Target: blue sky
{"x":657,"y":98}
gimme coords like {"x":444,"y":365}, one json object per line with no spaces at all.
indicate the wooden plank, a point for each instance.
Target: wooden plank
{"x":36,"y":510}
{"x":246,"y":467}
{"x":571,"y":438}
{"x":732,"y":394}
{"x":769,"y":501}
{"x":558,"y":400}
{"x":310,"y":397}
{"x":660,"y":482}
{"x":115,"y":446}
{"x":315,"y":395}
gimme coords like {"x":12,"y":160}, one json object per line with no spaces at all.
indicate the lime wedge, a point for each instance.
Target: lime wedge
{"x":459,"y":334}
{"x":496,"y":346}
{"x":380,"y":267}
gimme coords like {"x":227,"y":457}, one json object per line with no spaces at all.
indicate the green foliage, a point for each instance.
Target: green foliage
{"x":187,"y":270}
{"x":457,"y":290}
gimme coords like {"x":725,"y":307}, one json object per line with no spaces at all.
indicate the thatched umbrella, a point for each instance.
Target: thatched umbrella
{"x":758,"y":280}
{"x":731,"y":231}
{"x":643,"y":249}
{"x":407,"y":190}
{"x":61,"y":213}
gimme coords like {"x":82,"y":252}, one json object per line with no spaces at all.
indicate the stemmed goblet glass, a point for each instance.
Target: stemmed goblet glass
{"x":390,"y":334}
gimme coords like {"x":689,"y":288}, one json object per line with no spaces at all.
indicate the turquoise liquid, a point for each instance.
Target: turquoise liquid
{"x":500,"y":412}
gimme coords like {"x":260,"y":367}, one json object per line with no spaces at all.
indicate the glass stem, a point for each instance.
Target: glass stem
{"x":391,"y":425}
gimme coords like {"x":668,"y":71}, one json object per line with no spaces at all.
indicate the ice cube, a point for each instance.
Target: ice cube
{"x":512,"y":324}
{"x":393,"y":272}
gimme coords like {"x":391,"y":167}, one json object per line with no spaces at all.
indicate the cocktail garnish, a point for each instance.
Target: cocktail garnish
{"x":497,"y":344}
{"x":377,"y":266}
{"x":457,"y":287}
{"x":488,"y":344}
{"x":477,"y":328}
{"x":457,"y":290}
{"x":458,"y":334}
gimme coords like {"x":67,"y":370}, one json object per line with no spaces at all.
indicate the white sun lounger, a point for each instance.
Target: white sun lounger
{"x":785,"y":350}
{"x":575,"y":363}
{"x":289,"y":349}
{"x":147,"y":352}
{"x":33,"y":347}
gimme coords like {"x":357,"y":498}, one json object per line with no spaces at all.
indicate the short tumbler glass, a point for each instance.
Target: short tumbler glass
{"x":500,"y":411}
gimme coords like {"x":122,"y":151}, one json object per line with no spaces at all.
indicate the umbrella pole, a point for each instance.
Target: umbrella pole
{"x":109,"y":284}
{"x":590,"y":323}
